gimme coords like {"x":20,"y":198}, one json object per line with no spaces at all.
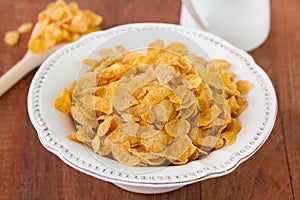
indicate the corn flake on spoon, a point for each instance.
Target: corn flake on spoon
{"x":29,"y":62}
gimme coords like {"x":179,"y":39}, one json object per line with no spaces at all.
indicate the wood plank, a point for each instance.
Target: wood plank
{"x":134,"y":11}
{"x":12,"y":139}
{"x":286,"y":61}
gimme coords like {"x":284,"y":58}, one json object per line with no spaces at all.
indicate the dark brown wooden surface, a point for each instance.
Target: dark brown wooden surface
{"x":28,"y":171}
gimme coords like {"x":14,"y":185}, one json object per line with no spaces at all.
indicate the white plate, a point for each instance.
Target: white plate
{"x":61,"y":68}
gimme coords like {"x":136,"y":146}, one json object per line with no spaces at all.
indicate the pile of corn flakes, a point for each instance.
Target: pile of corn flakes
{"x":60,"y":22}
{"x":167,"y":106}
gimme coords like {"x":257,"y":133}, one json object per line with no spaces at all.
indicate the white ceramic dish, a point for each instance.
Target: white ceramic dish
{"x":61,"y":68}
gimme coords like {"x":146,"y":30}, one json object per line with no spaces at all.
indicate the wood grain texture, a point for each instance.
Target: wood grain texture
{"x":29,"y":171}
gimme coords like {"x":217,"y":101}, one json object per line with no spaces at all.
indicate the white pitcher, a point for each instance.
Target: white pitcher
{"x":244,"y":23}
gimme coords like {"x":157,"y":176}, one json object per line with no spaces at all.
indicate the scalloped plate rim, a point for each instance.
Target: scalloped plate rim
{"x":40,"y":128}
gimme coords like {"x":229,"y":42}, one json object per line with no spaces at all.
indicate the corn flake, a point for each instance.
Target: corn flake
{"x":11,"y":38}
{"x":25,"y":28}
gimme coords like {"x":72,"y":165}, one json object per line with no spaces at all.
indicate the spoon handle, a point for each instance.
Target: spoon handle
{"x":29,"y":62}
{"x":18,"y":71}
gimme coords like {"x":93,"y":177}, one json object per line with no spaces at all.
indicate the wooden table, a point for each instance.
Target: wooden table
{"x":29,"y":171}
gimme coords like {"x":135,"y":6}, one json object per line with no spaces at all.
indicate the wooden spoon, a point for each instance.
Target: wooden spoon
{"x":29,"y":62}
